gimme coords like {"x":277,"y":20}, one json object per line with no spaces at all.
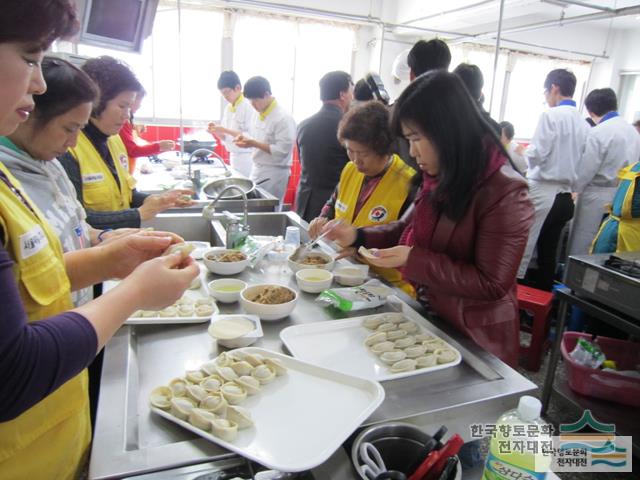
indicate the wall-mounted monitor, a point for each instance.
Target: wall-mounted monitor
{"x":118,"y":24}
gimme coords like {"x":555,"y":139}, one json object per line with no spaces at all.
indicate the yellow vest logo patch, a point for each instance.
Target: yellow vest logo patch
{"x":32,"y":242}
{"x":341,"y":206}
{"x":378,"y":214}
{"x":92,"y":177}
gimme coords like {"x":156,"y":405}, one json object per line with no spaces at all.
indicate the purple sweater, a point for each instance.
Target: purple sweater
{"x":38,"y":357}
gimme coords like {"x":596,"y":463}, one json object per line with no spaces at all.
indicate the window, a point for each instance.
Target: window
{"x":289,"y":55}
{"x":629,"y":100}
{"x":525,"y":101}
{"x":177,"y":62}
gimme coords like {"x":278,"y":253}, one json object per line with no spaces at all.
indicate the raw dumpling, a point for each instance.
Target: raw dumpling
{"x":178,"y":387}
{"x":263,"y":374}
{"x":276,"y":365}
{"x":201,"y":418}
{"x":409,"y":326}
{"x":383,"y":347}
{"x":215,"y":403}
{"x":373,"y":322}
{"x":211,"y":384}
{"x":426,"y":361}
{"x":196,"y":393}
{"x":405,"y":365}
{"x":184,"y":248}
{"x":446,"y":355}
{"x":161,"y":397}
{"x":224,"y":429}
{"x":415,"y":351}
{"x":385,"y":327}
{"x":241,"y":416}
{"x":241,"y":368}
{"x":181,"y":407}
{"x":374,"y":338}
{"x":233,"y":393}
{"x":394,"y":335}
{"x":250,"y":384}
{"x":405,"y":342}
{"x":393,"y":356}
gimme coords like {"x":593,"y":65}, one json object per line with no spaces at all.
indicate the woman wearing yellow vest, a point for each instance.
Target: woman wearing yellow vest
{"x":44,"y":420}
{"x":375,"y":186}
{"x":98,"y":164}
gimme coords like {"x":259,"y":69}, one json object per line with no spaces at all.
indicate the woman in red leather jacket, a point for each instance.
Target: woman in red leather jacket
{"x":462,"y":241}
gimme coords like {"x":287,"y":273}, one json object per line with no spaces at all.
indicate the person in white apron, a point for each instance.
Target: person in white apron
{"x":238,"y":117}
{"x":611,"y":145}
{"x":272,"y":138}
{"x":552,"y":158}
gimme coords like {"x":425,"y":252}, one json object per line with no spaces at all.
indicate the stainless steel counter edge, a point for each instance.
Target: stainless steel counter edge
{"x":477,"y":390}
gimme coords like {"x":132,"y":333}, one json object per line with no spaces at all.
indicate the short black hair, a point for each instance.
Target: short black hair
{"x":229,"y":79}
{"x":367,"y":124}
{"x":564,"y":79}
{"x":362,"y":91}
{"x":507,"y":129}
{"x":601,"y":101}
{"x":67,"y":87}
{"x":456,"y":127}
{"x":471,"y":76}
{"x":38,"y":21}
{"x":636,"y":123}
{"x":257,"y":87}
{"x":112,"y":77}
{"x":431,"y":55}
{"x":333,"y":84}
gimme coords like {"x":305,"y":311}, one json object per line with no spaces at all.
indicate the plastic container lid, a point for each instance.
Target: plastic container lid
{"x":529,"y":408}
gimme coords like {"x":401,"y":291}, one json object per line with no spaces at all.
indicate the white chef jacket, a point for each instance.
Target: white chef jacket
{"x":553,"y":156}
{"x":277,"y":129}
{"x":557,"y":146}
{"x":610,"y":146}
{"x":239,"y":117}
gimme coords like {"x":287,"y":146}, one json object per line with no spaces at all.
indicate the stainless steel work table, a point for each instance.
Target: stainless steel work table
{"x":129,"y":440}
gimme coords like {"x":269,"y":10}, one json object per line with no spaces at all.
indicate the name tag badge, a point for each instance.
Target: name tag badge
{"x":32,"y":242}
{"x":93,"y":177}
{"x":341,"y":206}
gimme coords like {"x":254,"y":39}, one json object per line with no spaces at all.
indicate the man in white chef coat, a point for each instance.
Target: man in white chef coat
{"x":272,"y":137}
{"x":554,"y":152}
{"x":237,"y":119}
{"x":611,"y":145}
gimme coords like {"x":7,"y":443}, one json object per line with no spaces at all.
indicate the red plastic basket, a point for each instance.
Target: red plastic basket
{"x":593,"y":382}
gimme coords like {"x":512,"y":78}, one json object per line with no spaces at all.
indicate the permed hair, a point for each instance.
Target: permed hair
{"x":367,"y":124}
{"x":112,"y":77}
{"x":37,"y":21}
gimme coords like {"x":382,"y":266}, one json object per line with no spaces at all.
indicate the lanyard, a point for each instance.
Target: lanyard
{"x":17,"y":193}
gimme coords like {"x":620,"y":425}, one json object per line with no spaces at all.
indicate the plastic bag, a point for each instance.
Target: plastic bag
{"x":587,"y":354}
{"x":368,"y":295}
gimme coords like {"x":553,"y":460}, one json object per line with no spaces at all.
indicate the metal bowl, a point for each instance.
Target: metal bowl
{"x":213,"y":188}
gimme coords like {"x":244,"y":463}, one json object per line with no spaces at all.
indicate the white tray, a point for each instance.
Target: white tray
{"x":301,"y":418}
{"x":202,"y":292}
{"x":339,"y":345}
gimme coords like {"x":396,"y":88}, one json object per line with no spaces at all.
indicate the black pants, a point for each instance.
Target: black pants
{"x":561,"y":212}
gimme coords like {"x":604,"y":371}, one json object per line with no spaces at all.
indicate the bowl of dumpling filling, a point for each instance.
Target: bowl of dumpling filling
{"x":313,"y":259}
{"x":223,"y":261}
{"x":268,"y":301}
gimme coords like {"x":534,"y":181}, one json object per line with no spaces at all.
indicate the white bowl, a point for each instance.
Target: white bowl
{"x":295,"y":266}
{"x":313,"y":280}
{"x":242,"y":341}
{"x":352,"y":275}
{"x":223,"y":268}
{"x":226,"y":290}
{"x":264,"y":311}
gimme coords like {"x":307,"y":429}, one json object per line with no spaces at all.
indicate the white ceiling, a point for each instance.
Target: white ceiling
{"x":481,"y":16}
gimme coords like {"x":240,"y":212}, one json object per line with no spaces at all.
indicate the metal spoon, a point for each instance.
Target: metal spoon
{"x":302,"y":251}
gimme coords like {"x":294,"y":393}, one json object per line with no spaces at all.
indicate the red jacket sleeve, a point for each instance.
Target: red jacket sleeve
{"x":501,"y":236}
{"x":133,"y":149}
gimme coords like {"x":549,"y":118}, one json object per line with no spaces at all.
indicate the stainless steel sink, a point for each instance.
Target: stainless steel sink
{"x":262,"y":223}
{"x":190,"y":226}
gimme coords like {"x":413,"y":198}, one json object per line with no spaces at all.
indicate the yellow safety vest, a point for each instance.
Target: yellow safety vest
{"x":382,"y":206}
{"x":51,"y":439}
{"x":99,"y":189}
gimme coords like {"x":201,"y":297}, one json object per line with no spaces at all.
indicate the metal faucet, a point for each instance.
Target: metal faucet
{"x":204,"y":152}
{"x":237,"y":231}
